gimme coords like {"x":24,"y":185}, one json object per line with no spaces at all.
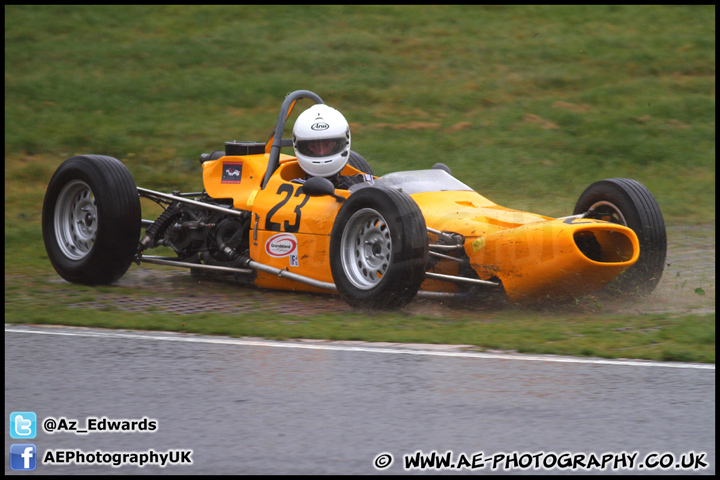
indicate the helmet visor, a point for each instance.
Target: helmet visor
{"x":321,"y":148}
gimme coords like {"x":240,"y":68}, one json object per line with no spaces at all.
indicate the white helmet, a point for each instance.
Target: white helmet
{"x":321,"y":139}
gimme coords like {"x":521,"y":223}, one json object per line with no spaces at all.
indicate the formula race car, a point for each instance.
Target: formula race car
{"x":377,"y":243}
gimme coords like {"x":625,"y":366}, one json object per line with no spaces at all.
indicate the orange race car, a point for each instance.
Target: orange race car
{"x":283,"y":222}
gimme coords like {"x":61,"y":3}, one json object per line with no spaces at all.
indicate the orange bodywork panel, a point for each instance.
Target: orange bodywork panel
{"x":235,"y":177}
{"x":469,"y":213}
{"x":532,"y":255}
{"x":545,"y":258}
{"x":290,"y":230}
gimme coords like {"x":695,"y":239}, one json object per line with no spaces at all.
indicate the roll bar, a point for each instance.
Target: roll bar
{"x":276,"y":137}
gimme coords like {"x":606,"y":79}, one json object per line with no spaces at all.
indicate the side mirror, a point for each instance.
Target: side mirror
{"x":320,"y":187}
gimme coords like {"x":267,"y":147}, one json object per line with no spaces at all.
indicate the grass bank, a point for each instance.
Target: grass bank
{"x":526,"y":104}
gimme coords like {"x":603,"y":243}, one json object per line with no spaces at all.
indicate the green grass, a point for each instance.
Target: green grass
{"x":527,"y":104}
{"x":504,"y":95}
{"x":570,"y":330}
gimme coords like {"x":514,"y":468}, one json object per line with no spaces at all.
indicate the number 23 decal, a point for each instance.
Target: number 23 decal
{"x":288,"y":190}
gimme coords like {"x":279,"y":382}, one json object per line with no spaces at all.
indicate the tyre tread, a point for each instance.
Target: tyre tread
{"x":119,"y":219}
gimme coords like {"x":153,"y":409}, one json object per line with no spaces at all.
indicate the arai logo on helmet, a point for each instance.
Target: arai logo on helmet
{"x":281,"y":245}
{"x":320,"y":126}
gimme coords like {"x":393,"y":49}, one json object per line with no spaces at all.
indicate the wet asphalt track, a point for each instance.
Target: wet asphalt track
{"x":270,"y":408}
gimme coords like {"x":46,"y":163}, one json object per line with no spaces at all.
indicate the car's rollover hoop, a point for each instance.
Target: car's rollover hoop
{"x":378,"y":244}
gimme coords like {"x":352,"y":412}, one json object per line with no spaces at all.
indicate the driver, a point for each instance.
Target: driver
{"x":321,"y":139}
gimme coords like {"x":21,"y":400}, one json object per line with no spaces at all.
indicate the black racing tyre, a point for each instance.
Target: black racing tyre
{"x":630,"y":203}
{"x":91,"y":219}
{"x":378,"y":249}
{"x":357,"y":161}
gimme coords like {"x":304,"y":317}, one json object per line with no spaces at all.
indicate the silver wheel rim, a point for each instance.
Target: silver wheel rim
{"x":607,"y":211}
{"x":366,"y":248}
{"x":76,"y":220}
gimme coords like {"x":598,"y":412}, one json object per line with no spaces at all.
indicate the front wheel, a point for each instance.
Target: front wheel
{"x":629,"y":203}
{"x":378,"y":249}
{"x":91,"y":219}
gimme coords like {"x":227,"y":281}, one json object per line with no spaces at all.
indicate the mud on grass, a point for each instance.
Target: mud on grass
{"x":675,"y":323}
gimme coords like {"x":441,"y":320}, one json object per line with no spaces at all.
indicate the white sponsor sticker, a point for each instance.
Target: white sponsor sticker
{"x":281,"y":245}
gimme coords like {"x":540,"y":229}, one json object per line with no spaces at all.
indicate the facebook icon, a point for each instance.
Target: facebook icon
{"x":23,"y":456}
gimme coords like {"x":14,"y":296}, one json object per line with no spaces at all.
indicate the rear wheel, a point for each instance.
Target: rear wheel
{"x":629,"y":203}
{"x":91,"y":219}
{"x":378,"y":249}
